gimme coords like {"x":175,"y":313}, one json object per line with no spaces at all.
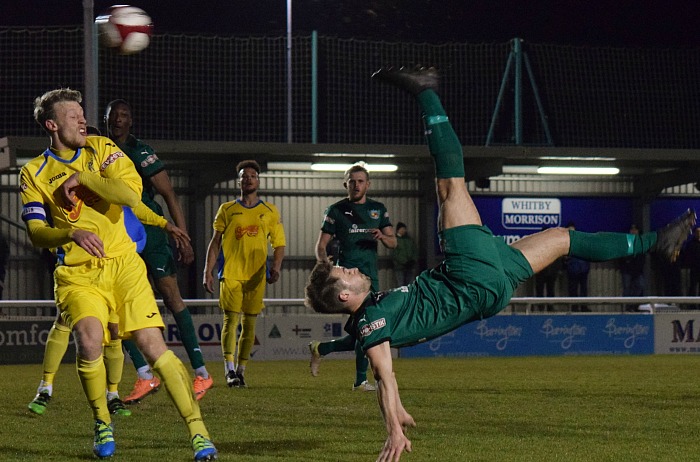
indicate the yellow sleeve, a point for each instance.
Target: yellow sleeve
{"x":118,"y":182}
{"x":277,"y":237}
{"x":148,"y":216}
{"x":113,"y":190}
{"x":43,"y":235}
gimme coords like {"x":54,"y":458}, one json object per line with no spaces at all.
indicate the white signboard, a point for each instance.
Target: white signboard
{"x":530,"y":213}
{"x":677,"y":333}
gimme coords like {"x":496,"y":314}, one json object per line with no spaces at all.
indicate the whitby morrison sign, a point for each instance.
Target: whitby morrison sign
{"x":530,"y":213}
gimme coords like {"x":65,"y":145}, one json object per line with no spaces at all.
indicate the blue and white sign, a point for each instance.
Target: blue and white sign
{"x":513,"y":335}
{"x":530,"y":213}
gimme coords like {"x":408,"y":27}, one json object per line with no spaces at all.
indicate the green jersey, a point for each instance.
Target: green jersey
{"x":475,"y":281}
{"x":147,"y":164}
{"x":351,"y":224}
{"x":157,"y":252}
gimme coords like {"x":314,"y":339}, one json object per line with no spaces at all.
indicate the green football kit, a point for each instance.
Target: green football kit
{"x":476,"y":280}
{"x":351,"y":223}
{"x":157,"y":253}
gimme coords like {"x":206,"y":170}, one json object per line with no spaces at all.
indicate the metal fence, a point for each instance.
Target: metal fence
{"x":193,"y":87}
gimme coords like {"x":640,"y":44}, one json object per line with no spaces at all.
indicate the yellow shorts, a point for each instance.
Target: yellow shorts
{"x":110,"y":289}
{"x":243,"y":296}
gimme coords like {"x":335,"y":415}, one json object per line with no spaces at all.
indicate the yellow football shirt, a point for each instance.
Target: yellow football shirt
{"x":246,"y":233}
{"x":109,"y":180}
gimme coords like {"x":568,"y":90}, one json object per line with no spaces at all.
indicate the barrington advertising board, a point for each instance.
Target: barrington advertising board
{"x":547,"y":335}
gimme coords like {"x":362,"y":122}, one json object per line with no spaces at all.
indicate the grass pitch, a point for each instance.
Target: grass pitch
{"x":608,"y":408}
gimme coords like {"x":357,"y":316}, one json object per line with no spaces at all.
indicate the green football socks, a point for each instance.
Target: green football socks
{"x":605,"y":246}
{"x":443,"y":142}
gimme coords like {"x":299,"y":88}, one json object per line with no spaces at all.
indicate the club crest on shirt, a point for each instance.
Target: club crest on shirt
{"x":372,"y":326}
{"x":374,"y":214}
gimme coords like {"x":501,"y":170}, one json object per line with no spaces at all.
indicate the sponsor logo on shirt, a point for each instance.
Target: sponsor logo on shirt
{"x":112,"y":158}
{"x":150,"y":160}
{"x":82,"y":196}
{"x":354,"y":230}
{"x":328,"y":219}
{"x":56,"y":177}
{"x":372,"y":326}
{"x":251,"y":231}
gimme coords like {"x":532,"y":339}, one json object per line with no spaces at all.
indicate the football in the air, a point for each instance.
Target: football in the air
{"x":125,"y":28}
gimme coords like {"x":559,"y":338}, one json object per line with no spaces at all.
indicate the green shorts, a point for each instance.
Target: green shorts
{"x":157,"y":253}
{"x":482,"y":267}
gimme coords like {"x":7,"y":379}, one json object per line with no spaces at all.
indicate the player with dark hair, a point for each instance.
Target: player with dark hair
{"x":243,"y":230}
{"x":81,"y":184}
{"x":358,"y":223}
{"x":157,"y":253}
{"x":475,"y":281}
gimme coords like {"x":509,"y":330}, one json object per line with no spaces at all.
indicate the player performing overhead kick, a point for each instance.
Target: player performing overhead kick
{"x":475,"y":281}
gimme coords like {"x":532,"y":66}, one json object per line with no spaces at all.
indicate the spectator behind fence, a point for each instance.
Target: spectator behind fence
{"x":405,"y":256}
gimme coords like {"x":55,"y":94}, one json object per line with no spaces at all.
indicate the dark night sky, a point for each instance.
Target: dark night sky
{"x":617,"y":23}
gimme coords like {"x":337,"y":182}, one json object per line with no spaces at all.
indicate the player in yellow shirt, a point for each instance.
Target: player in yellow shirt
{"x":243,"y":229}
{"x":72,"y":198}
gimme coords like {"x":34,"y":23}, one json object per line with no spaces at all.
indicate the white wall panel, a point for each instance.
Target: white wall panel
{"x":302,"y":198}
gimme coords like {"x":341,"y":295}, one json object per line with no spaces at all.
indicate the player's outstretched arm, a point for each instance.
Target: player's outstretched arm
{"x":395,"y":416}
{"x":163,"y":186}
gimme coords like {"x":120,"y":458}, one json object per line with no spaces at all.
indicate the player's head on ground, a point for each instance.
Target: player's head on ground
{"x":356,"y":182}
{"x":60,"y":114}
{"x":335,"y":289}
{"x":118,"y":119}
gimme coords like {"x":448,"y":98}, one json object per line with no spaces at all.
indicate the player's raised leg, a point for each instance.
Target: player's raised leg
{"x":456,"y":205}
{"x":543,"y":248}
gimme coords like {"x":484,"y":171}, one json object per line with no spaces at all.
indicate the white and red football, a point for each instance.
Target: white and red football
{"x":125,"y":28}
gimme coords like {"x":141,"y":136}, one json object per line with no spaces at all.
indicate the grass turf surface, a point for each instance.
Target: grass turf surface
{"x":602,"y":408}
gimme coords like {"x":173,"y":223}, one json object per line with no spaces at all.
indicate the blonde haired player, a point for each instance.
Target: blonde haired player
{"x":81,"y":184}
{"x":243,"y":229}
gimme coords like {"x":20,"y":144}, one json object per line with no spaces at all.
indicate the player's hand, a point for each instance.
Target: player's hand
{"x":394,"y":446}
{"x":377,"y":233}
{"x":208,"y":282}
{"x":90,"y":242}
{"x":186,"y":254}
{"x":182,"y":242}
{"x":406,"y":420}
{"x":274,"y":276}
{"x":67,"y":191}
